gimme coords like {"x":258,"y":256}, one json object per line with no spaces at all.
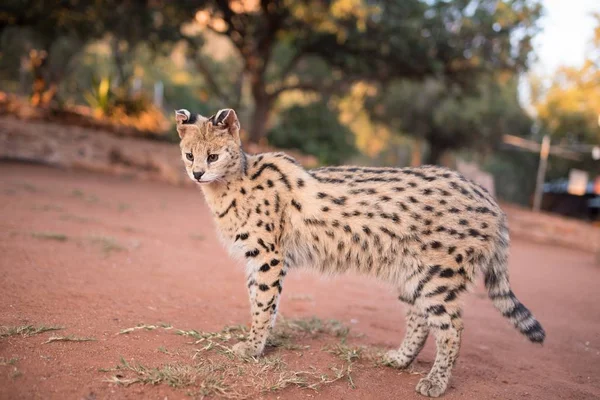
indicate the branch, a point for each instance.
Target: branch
{"x":228,"y":16}
{"x":287,"y":69}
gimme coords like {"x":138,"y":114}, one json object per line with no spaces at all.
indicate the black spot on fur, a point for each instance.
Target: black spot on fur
{"x":297,"y":205}
{"x":252,"y":253}
{"x":231,"y":206}
{"x":340,"y":201}
{"x":264,"y":268}
{"x":437,"y":309}
{"x":447,"y":273}
{"x":438,"y":290}
{"x":275,"y":168}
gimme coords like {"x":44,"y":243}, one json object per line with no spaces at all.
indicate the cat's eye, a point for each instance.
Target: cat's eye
{"x":189,"y":156}
{"x":212,"y":158}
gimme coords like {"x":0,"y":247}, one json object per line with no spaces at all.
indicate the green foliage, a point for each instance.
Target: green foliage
{"x":323,"y":47}
{"x":99,"y":98}
{"x":514,"y":175}
{"x":426,"y":55}
{"x":448,"y":117}
{"x":314,"y":129}
{"x":568,"y":108}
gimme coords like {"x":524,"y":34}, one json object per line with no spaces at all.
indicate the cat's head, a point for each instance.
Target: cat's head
{"x":210,"y":147}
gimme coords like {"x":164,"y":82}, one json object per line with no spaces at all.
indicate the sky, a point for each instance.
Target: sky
{"x":567,"y":31}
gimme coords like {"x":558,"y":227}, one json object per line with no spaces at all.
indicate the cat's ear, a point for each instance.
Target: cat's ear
{"x":227,"y":119}
{"x":182,"y":116}
{"x":184,"y":120}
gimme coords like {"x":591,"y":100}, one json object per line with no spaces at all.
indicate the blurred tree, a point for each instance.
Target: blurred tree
{"x":314,"y":129}
{"x":45,"y":24}
{"x":323,"y":46}
{"x":570,"y":108}
{"x":448,"y":117}
{"x":128,"y":22}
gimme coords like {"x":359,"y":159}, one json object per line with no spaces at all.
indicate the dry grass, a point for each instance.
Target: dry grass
{"x":5,"y":361}
{"x":26,"y":330}
{"x":345,"y":352}
{"x":224,"y":377}
{"x":214,"y":369}
{"x":312,"y":326}
{"x":107,"y":244}
{"x":144,"y":327}
{"x":59,"y":237}
{"x":80,"y":194}
{"x":47,"y":207}
{"x":69,"y":338}
{"x":75,"y":218}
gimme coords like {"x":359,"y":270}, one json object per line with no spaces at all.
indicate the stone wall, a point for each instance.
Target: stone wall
{"x":97,"y":150}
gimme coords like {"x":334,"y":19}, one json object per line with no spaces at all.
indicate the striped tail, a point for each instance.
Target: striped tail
{"x":499,"y":291}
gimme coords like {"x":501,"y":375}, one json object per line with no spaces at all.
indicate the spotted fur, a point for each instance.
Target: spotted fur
{"x":427,"y":231}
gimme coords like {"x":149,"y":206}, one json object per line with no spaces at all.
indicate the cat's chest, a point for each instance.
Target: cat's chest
{"x":232,"y":223}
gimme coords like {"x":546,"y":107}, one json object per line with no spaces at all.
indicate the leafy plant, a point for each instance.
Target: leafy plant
{"x":100,"y":97}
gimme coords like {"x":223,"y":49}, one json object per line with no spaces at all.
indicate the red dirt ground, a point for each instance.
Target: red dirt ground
{"x":174,"y":270}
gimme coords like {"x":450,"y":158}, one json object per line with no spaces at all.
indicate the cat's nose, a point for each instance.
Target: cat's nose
{"x":198,"y":175}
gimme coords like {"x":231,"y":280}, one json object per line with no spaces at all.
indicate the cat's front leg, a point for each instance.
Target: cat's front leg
{"x":266,"y":272}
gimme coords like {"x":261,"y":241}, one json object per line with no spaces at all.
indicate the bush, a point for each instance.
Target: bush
{"x":314,"y":129}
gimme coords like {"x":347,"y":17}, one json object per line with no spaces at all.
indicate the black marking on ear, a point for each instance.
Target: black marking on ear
{"x":191,"y":120}
{"x":221,"y":115}
{"x":182,"y":113}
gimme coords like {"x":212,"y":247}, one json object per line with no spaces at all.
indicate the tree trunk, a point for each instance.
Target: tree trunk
{"x":260,"y":116}
{"x":435,"y":154}
{"x":262,"y":108}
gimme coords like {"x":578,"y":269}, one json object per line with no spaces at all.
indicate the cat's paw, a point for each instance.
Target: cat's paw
{"x":245,"y":350}
{"x":430,"y":387}
{"x":394,"y":358}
